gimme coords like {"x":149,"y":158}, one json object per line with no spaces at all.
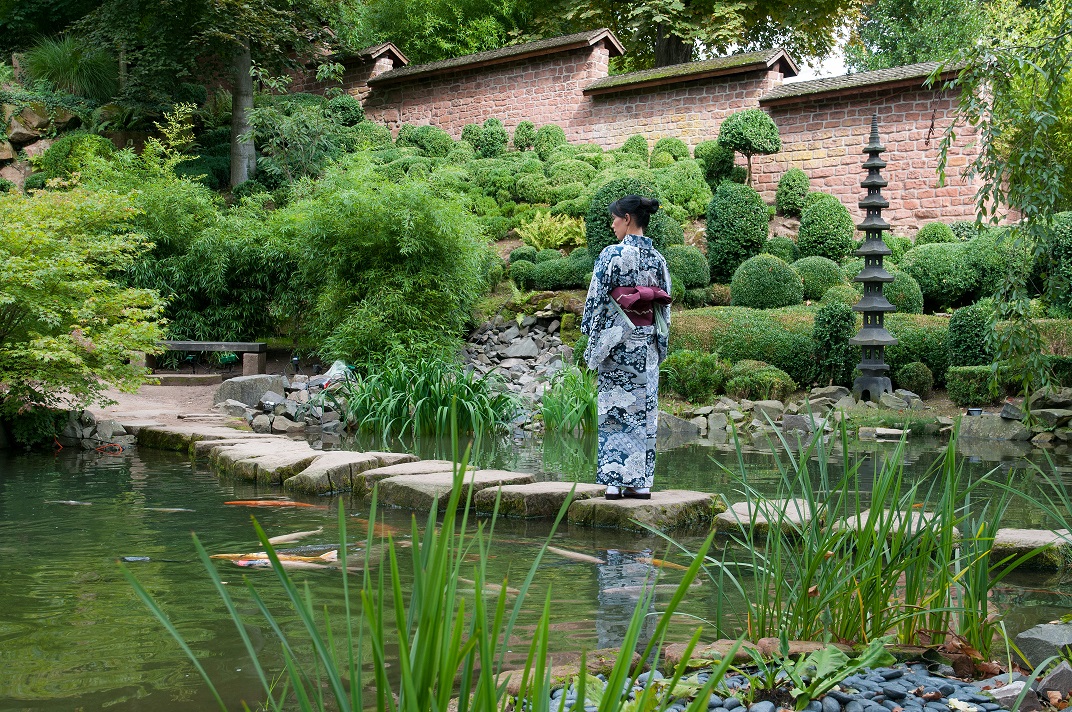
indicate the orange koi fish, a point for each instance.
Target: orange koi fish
{"x":271,"y":503}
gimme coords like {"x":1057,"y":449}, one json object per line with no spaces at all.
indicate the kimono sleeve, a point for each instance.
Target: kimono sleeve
{"x":595,"y":304}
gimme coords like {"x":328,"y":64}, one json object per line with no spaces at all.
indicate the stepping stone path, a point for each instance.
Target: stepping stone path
{"x":793,"y":514}
{"x":539,"y":499}
{"x":668,"y":509}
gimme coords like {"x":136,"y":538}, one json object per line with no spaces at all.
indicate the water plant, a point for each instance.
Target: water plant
{"x":570,"y":404}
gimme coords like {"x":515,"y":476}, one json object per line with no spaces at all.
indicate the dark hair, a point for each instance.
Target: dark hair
{"x":638,"y":206}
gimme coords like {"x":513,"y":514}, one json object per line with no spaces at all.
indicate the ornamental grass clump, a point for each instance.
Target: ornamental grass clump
{"x":570,"y":403}
{"x":765,"y":282}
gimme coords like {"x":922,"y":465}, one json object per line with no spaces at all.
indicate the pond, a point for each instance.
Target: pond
{"x":73,"y":634}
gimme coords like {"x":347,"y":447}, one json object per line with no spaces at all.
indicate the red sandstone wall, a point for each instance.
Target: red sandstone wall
{"x":826,"y":140}
{"x":356,"y":73}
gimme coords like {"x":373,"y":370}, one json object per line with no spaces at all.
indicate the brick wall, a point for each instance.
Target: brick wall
{"x":826,"y":138}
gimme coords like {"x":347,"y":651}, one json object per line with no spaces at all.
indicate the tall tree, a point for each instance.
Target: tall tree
{"x":891,"y":33}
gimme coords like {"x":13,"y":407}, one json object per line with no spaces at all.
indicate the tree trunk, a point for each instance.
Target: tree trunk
{"x":122,"y":67}
{"x":243,"y":155}
{"x":670,"y":49}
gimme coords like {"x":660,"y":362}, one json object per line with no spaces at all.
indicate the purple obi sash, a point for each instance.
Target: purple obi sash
{"x":638,"y":302}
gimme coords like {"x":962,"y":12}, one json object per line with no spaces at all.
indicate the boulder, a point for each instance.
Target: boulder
{"x":673,"y":427}
{"x":19,"y":134}
{"x":232,"y":408}
{"x":249,"y":389}
{"x":1007,"y":695}
{"x":717,"y":421}
{"x":845,"y":403}
{"x":834,"y":393}
{"x":7,"y":151}
{"x":764,"y":409}
{"x":889,"y":400}
{"x":666,"y":510}
{"x":993,"y":427}
{"x":283,"y":424}
{"x":1044,"y":641}
{"x":1011,"y":411}
{"x":262,"y":424}
{"x":1052,"y":417}
{"x":1050,"y":398}
{"x":1059,"y":680}
{"x":35,"y":116}
{"x":36,"y":148}
{"x":526,"y":348}
{"x":797,"y":424}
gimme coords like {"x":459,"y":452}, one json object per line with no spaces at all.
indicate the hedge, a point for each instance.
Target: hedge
{"x":525,"y":253}
{"x":818,"y":275}
{"x":737,"y":227}
{"x":919,"y":338}
{"x":969,"y":385}
{"x":694,"y":375}
{"x":944,"y":272}
{"x":765,"y":282}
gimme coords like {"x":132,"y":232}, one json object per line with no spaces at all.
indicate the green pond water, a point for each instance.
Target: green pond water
{"x":74,"y":636}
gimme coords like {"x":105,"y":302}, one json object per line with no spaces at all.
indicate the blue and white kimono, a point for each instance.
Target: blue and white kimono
{"x":626,"y":359}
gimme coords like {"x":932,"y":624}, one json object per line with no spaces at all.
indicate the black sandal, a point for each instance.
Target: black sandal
{"x":612,"y":497}
{"x":630,"y":493}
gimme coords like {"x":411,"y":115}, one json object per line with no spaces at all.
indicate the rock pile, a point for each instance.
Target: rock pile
{"x":26,"y":128}
{"x":83,"y":430}
{"x":526,"y":353}
{"x":294,"y":409}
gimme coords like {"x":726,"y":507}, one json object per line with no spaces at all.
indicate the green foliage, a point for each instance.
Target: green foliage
{"x":904,"y":293}
{"x":687,"y":265}
{"x":826,"y":229}
{"x":68,"y":328}
{"x":967,"y":338}
{"x":71,"y":152}
{"x":915,"y":377}
{"x":35,"y":426}
{"x":570,"y":171}
{"x":898,"y":247}
{"x":835,"y":324}
{"x":493,"y":139}
{"x":756,"y":380}
{"x":737,"y":228}
{"x":717,"y":161}
{"x":792,"y":187}
{"x":683,"y":184}
{"x":346,"y":110}
{"x":571,"y":403}
{"x":765,"y":282}
{"x":964,"y":229}
{"x":750,"y":132}
{"x":69,"y":64}
{"x":696,"y":297}
{"x":661,"y":159}
{"x":546,"y":255}
{"x":893,"y":33}
{"x":7,"y":186}
{"x":672,"y":145}
{"x":919,"y":338}
{"x":524,"y":136}
{"x":473,"y":134}
{"x":1060,"y":258}
{"x":783,"y":248}
{"x":695,"y":376}
{"x":636,"y":145}
{"x":543,"y":231}
{"x":841,"y":294}
{"x":945,"y":274}
{"x":296,"y":137}
{"x":935,"y":232}
{"x":523,"y":272}
{"x":369,"y":136}
{"x":969,"y":385}
{"x":248,"y":188}
{"x":430,"y":140}
{"x":548,"y":138}
{"x":818,"y":275}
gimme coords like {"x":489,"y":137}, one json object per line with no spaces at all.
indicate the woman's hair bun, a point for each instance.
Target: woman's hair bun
{"x":638,"y":206}
{"x":651,"y":204}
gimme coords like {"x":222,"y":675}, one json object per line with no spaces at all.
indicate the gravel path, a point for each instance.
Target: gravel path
{"x":160,"y":403}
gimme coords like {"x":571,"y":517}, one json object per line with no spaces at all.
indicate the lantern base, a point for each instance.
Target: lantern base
{"x":872,"y":386}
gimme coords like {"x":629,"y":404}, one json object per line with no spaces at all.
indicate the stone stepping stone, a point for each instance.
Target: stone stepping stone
{"x":539,"y":499}
{"x":917,"y":521}
{"x":363,"y":483}
{"x":206,"y":448}
{"x":794,"y":515}
{"x":666,"y":510}
{"x":265,"y":461}
{"x":420,"y":491}
{"x":1015,"y":542}
{"x":182,"y":437}
{"x":332,"y":471}
{"x":703,"y":654}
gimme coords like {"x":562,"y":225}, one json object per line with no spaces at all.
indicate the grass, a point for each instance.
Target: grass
{"x":571,"y":404}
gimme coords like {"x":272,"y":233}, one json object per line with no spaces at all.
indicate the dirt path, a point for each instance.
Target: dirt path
{"x":160,"y":403}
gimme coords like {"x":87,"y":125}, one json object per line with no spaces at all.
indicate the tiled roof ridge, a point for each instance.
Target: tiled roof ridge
{"x":826,"y":85}
{"x":687,"y":71}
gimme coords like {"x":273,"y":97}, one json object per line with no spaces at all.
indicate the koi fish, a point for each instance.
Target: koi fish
{"x":168,"y":510}
{"x":265,"y":564}
{"x":270,"y":503}
{"x":326,"y":558}
{"x":637,"y":590}
{"x":379,"y":529}
{"x":664,"y":564}
{"x":284,"y":538}
{"x":576,"y":556}
{"x":69,"y":502}
{"x":491,"y":587}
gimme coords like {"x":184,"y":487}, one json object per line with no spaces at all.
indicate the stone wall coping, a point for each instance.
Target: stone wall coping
{"x":513,"y":53}
{"x":908,"y":76}
{"x":691,"y":71}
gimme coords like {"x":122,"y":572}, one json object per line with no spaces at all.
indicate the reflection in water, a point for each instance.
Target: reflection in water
{"x":623,"y":582}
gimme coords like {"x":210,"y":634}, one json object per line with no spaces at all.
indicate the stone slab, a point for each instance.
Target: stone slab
{"x":187,"y":379}
{"x":363,"y":482}
{"x":1056,"y":555}
{"x":1044,"y":641}
{"x":205,"y":448}
{"x":539,"y":499}
{"x":917,"y":520}
{"x":793,"y":514}
{"x":268,"y":461}
{"x":419,"y":492}
{"x":710,"y":653}
{"x":248,"y":389}
{"x":993,"y":427}
{"x":666,"y":510}
{"x":331,"y":472}
{"x":181,"y":437}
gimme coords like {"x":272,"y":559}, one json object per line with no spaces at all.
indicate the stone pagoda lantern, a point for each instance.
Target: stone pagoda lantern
{"x":873,"y":338}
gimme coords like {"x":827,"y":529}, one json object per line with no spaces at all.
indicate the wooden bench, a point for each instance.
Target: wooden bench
{"x":254,"y":353}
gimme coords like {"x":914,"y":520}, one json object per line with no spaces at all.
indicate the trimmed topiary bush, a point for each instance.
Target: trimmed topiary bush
{"x":431,"y":140}
{"x":524,"y":136}
{"x":765,"y":282}
{"x":661,"y":159}
{"x":756,"y":380}
{"x":964,"y":229}
{"x":493,"y":139}
{"x":548,"y":138}
{"x":903,"y":292}
{"x":898,"y":247}
{"x":737,"y":228}
{"x":695,"y":376}
{"x":637,"y":146}
{"x":919,"y":338}
{"x":525,"y":253}
{"x":697,"y":297}
{"x":944,"y":273}
{"x":916,"y":377}
{"x":792,"y":187}
{"x":570,"y":171}
{"x":565,"y":152}
{"x":547,"y":255}
{"x":835,"y":324}
{"x":687,"y":265}
{"x":783,"y":248}
{"x":969,"y":385}
{"x":818,"y":275}
{"x":674,"y":146}
{"x":346,"y":110}
{"x":967,"y":335}
{"x":750,"y":132}
{"x":1060,"y":250}
{"x":842,"y":294}
{"x":717,"y":161}
{"x":683,"y":184}
{"x":826,"y":229}
{"x":523,"y":273}
{"x":934,"y":232}
{"x":662,"y":230}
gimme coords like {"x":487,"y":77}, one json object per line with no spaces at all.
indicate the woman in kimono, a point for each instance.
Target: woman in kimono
{"x":626,"y":318}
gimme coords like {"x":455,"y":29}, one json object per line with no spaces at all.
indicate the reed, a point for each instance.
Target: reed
{"x":570,"y":405}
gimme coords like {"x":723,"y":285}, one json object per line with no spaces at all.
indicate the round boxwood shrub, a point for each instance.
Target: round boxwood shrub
{"x":565,"y":152}
{"x":765,"y":282}
{"x":695,"y":376}
{"x":943,"y":272}
{"x":431,"y":140}
{"x":916,"y":377}
{"x":967,"y":335}
{"x":570,"y":171}
{"x":792,"y":187}
{"x":524,"y":136}
{"x":662,"y":229}
{"x":493,"y":139}
{"x":534,"y":188}
{"x":346,"y":110}
{"x":547,"y":255}
{"x":903,"y":292}
{"x":661,"y":159}
{"x":559,"y":273}
{"x":935,"y":232}
{"x":782,"y":248}
{"x":674,"y":146}
{"x":737,"y":227}
{"x":525,"y":253}
{"x":898,"y":247}
{"x":818,"y":274}
{"x":462,"y":152}
{"x":523,"y":274}
{"x":548,"y":138}
{"x":683,"y":184}
{"x":756,"y":380}
{"x":826,"y":229}
{"x":717,"y":161}
{"x":688,"y":265}
{"x":637,"y":146}
{"x":842,"y":294}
